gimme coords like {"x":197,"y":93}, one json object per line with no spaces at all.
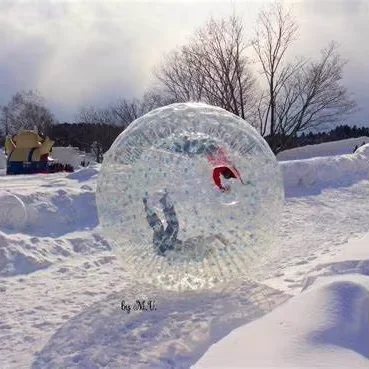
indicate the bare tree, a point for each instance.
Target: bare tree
{"x":155,"y":98}
{"x":98,"y":150}
{"x":179,"y":77}
{"x":26,"y":110}
{"x":313,"y":97}
{"x":101,"y":123}
{"x":213,"y":68}
{"x":300,"y":95}
{"x":96,"y":116}
{"x":126,"y":111}
{"x":276,"y":31}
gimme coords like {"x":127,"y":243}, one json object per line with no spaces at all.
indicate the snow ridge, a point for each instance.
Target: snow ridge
{"x":327,"y":171}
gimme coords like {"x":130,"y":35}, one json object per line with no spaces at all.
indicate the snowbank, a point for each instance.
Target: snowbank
{"x":42,"y":224}
{"x":70,"y":155}
{"x":13,"y":212}
{"x":85,"y":174}
{"x":324,"y":149}
{"x":324,"y":170}
{"x":326,"y":326}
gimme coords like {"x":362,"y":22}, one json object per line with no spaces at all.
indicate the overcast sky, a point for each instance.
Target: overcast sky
{"x":79,"y":53}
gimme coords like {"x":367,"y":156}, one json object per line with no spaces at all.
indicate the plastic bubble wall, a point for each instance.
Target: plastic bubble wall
{"x":190,"y":196}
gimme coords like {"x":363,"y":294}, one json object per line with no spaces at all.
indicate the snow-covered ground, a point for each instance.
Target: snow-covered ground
{"x":70,"y":155}
{"x":62,"y":287}
{"x":324,"y":149}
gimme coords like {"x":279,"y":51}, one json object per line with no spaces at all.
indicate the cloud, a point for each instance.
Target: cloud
{"x":71,"y":52}
{"x":91,"y":53}
{"x":80,"y":53}
{"x":347,"y":23}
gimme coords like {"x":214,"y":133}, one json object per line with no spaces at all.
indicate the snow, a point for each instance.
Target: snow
{"x":70,"y":155}
{"x":327,"y":325}
{"x":14,"y":212}
{"x":62,"y":286}
{"x":331,"y":170}
{"x":340,"y":147}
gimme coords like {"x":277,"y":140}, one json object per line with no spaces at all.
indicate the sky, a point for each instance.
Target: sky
{"x":90,"y":53}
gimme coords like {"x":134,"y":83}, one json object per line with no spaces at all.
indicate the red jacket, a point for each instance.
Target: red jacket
{"x":223,"y":166}
{"x":226,"y":172}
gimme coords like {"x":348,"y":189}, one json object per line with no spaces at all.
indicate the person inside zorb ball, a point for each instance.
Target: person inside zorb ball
{"x":190,"y":196}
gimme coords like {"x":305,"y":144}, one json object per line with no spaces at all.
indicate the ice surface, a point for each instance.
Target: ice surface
{"x":174,"y":150}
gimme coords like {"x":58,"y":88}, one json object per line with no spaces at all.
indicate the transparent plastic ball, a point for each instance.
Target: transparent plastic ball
{"x":190,"y":196}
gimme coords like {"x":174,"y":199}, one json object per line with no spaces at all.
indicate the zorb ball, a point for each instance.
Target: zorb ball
{"x":190,"y":196}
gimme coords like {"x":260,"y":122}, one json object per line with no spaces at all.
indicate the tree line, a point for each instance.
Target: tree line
{"x":340,"y":132}
{"x":84,"y":136}
{"x":247,"y":72}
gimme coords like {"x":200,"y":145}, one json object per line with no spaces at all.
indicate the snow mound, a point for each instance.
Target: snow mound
{"x":344,"y":318}
{"x":363,"y":150}
{"x":326,"y":326}
{"x":336,"y":268}
{"x":13,"y":212}
{"x":29,"y":254}
{"x":58,"y":212}
{"x":70,"y":155}
{"x":55,"y":205}
{"x":53,"y":221}
{"x":84,"y":174}
{"x":332,"y":148}
{"x":21,"y":256}
{"x":326,"y":170}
